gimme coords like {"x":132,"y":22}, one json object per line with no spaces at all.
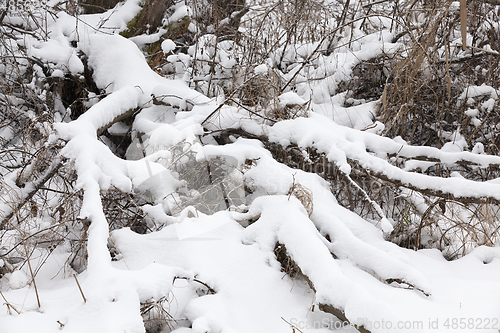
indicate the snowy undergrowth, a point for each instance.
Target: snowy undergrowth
{"x":220,"y":272}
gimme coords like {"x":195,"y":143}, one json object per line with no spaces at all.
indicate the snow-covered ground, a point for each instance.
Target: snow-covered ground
{"x":218,"y":272}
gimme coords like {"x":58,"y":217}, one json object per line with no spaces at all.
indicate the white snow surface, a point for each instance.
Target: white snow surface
{"x":373,"y":281}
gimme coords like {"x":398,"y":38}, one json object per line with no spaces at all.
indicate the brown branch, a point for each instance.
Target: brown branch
{"x":80,"y":288}
{"x":210,"y":289}
{"x":290,"y":267}
{"x":56,"y":165}
{"x":28,"y":260}
{"x":294,"y":328}
{"x":429,"y":192}
{"x":22,"y":241}
{"x":275,"y":149}
{"x":424,"y":158}
{"x":120,"y":117}
{"x":36,"y":186}
{"x":9,"y":306}
{"x":39,"y":184}
{"x":341,"y":316}
{"x":410,"y":286}
{"x":493,"y":2}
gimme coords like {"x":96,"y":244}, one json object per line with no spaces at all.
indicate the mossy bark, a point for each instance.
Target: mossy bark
{"x":175,"y":30}
{"x":149,"y":19}
{"x":97,"y":6}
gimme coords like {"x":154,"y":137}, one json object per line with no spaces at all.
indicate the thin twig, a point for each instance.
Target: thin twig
{"x":80,"y":288}
{"x":32,"y":275}
{"x":292,"y":325}
{"x":8,"y":304}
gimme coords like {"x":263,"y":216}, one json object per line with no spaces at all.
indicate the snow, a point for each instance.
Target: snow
{"x":118,"y":128}
{"x":347,"y":261}
{"x":472,"y":112}
{"x":475,"y":91}
{"x":17,"y":279}
{"x":244,"y":268}
{"x":261,"y":69}
{"x":340,"y":143}
{"x":167,"y":46}
{"x":291,"y":98}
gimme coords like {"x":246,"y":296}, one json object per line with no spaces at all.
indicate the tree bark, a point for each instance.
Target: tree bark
{"x":97,"y":6}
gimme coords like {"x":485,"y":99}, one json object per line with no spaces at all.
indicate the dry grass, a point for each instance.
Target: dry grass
{"x":304,"y":195}
{"x":420,"y":100}
{"x":156,"y":315}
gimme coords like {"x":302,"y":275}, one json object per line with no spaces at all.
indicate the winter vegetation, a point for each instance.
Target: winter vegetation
{"x":249,"y":166}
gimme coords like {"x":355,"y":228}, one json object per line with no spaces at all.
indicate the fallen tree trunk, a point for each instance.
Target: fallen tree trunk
{"x":293,"y":270}
{"x":329,"y":169}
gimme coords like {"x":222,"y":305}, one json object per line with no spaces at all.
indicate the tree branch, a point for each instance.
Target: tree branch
{"x":35,"y":186}
{"x":279,"y":151}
